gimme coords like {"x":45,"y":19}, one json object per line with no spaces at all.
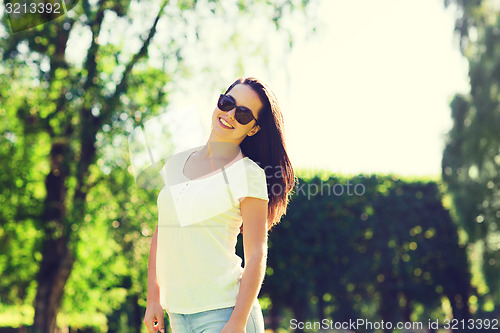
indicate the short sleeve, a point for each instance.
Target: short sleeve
{"x":172,"y":169}
{"x":250,"y":181}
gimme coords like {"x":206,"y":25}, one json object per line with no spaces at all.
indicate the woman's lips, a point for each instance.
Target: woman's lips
{"x":222,"y":124}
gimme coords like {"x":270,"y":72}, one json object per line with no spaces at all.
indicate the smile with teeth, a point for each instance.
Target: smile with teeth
{"x":225,"y":123}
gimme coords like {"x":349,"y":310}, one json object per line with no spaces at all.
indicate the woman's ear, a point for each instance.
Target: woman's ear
{"x":254,"y":130}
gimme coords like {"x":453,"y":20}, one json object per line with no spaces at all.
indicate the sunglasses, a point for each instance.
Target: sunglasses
{"x":242,"y":114}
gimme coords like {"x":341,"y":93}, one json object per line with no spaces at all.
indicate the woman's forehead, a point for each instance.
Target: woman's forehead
{"x":246,"y":96}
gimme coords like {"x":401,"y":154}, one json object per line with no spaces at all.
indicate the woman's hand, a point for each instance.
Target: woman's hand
{"x":153,"y":319}
{"x":234,"y":327}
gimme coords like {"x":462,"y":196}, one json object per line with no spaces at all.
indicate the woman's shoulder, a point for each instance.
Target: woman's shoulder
{"x":176,"y":160}
{"x":179,"y":155}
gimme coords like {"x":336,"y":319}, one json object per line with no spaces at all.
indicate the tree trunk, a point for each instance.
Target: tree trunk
{"x":138,"y":315}
{"x":57,"y":260}
{"x":460,"y":308}
{"x":55,"y":269}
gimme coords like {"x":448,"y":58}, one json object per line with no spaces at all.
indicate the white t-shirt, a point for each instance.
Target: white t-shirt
{"x":198,"y":223}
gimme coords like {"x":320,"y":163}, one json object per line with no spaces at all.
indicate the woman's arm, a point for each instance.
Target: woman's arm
{"x":254,"y":213}
{"x":154,"y":311}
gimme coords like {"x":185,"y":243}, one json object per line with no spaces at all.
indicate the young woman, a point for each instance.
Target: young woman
{"x":239,"y":181}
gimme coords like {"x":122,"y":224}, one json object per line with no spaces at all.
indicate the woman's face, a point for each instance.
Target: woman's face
{"x":244,"y":95}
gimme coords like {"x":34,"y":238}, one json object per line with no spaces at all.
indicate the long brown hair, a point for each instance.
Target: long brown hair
{"x":267,"y":148}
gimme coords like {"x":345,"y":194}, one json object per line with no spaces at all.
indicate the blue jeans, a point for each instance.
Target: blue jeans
{"x":213,"y":321}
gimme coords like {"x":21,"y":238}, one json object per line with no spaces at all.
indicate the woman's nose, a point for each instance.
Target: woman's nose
{"x":231,"y":113}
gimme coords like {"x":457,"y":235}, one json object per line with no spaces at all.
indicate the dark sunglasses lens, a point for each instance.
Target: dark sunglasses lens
{"x":243,"y":115}
{"x":226,"y":103}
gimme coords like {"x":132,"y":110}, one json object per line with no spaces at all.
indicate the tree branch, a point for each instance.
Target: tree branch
{"x":121,"y":87}
{"x":95,"y":27}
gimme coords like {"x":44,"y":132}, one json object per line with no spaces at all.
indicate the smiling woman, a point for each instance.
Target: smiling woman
{"x":212,"y":193}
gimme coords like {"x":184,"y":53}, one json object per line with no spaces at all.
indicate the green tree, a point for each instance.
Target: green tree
{"x":471,"y":159}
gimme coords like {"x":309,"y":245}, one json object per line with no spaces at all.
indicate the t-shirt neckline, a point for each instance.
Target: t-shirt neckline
{"x":211,"y":174}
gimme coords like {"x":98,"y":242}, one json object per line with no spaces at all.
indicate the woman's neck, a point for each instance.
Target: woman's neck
{"x":220,"y":150}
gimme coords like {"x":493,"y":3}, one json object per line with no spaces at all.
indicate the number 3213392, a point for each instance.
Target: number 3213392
{"x":33,"y":8}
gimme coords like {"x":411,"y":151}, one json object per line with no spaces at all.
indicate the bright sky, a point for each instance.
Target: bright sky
{"x":371,"y":93}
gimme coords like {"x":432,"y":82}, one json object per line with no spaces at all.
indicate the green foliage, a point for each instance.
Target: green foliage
{"x":23,"y":158}
{"x":471,"y":159}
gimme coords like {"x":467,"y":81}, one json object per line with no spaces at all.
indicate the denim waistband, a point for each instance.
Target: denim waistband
{"x":213,"y":321}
